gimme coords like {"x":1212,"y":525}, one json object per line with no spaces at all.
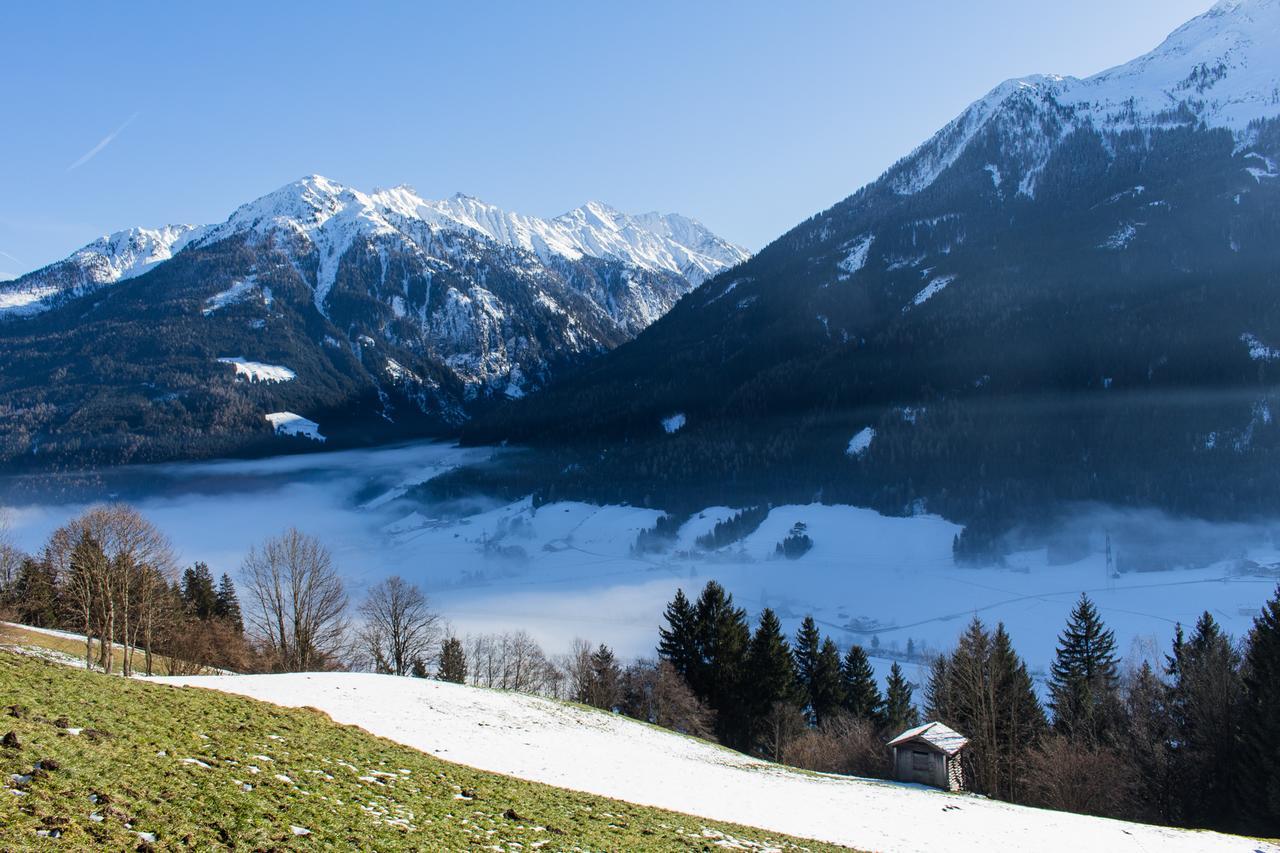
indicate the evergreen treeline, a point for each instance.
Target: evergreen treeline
{"x":1194,"y":742}
{"x":735,"y":528}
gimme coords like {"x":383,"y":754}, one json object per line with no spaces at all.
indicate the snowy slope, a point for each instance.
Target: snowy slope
{"x":107,"y":260}
{"x":586,"y":750}
{"x":1217,"y":70}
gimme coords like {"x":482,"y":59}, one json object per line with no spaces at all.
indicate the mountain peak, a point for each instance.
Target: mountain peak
{"x":1218,"y":69}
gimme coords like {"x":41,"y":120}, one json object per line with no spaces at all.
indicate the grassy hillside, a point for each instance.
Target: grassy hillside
{"x":127,"y":764}
{"x":71,"y":650}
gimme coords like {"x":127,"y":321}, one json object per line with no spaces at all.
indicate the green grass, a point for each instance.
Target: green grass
{"x":351,"y":790}
{"x":14,"y":635}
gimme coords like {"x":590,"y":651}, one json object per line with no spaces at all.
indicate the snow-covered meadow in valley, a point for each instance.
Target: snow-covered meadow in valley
{"x":588,"y":750}
{"x":568,"y":570}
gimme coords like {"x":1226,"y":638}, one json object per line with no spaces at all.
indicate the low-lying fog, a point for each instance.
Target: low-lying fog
{"x":567,"y":570}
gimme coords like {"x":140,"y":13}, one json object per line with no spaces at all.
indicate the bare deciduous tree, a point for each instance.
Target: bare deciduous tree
{"x":109,"y":559}
{"x":1077,"y":777}
{"x":10,"y":555}
{"x":398,"y":627}
{"x":298,"y":606}
{"x":842,"y":743}
{"x":513,"y":661}
{"x":577,"y":669}
{"x":654,"y":692}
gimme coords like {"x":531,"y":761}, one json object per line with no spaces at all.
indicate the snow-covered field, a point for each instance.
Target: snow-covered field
{"x":601,"y":753}
{"x":566,"y":570}
{"x":257,"y":371}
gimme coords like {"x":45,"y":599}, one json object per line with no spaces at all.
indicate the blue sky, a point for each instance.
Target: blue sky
{"x":749,"y":116}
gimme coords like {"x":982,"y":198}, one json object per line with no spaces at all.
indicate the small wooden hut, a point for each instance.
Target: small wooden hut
{"x":931,"y":755}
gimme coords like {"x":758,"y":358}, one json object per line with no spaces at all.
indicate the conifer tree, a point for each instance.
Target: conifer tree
{"x":227,"y":604}
{"x":937,"y":703}
{"x":419,"y":669}
{"x":1019,"y":719}
{"x":808,"y":645}
{"x":678,"y":641}
{"x":1206,"y":699}
{"x":453,"y":661}
{"x":35,"y":593}
{"x":861,"y":694}
{"x":1147,"y":745}
{"x":826,"y":692}
{"x":606,"y":677}
{"x":1084,"y":683}
{"x":773,"y":697}
{"x":719,"y":676}
{"x":198,"y":593}
{"x":1258,"y":791}
{"x":769,"y":662}
{"x":899,"y":712}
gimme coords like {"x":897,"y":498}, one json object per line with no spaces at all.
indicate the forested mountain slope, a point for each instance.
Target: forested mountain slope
{"x":1068,"y":293}
{"x":320,"y":310}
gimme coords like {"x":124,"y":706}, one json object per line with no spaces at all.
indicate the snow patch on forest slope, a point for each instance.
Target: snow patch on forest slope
{"x":606,"y":754}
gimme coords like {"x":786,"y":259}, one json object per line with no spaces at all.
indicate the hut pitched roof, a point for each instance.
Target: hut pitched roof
{"x":940,"y":737}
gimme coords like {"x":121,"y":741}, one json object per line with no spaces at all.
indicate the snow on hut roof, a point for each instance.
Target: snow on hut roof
{"x":935,"y":734}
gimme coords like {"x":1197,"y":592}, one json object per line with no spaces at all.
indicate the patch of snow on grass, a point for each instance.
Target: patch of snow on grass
{"x":856,"y":258}
{"x":238,"y":292}
{"x":1122,"y":238}
{"x":257,"y":371}
{"x":288,"y":423}
{"x":1258,"y":351}
{"x":861,"y":443}
{"x":674,"y":423}
{"x":931,"y":290}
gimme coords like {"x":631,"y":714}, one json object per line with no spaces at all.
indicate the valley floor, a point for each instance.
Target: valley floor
{"x":591,"y":751}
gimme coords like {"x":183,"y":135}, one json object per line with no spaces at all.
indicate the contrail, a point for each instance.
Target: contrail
{"x":10,"y":257}
{"x":106,"y":140}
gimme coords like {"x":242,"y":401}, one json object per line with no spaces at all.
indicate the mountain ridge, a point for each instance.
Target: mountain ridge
{"x":649,"y":241}
{"x":1036,"y":305}
{"x":319,"y":313}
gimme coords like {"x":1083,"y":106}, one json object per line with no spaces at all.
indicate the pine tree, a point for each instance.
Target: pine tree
{"x":861,"y":694}
{"x":606,"y":677}
{"x":1084,"y":683}
{"x":198,"y":594}
{"x":826,"y":692}
{"x":769,"y":662}
{"x":937,"y":702}
{"x":35,"y":594}
{"x":774,"y":697}
{"x":453,"y":661}
{"x":227,"y":604}
{"x":1147,"y":745}
{"x":1019,"y":719}
{"x":899,"y":712}
{"x":1258,"y":790}
{"x":808,"y":645}
{"x":678,"y":641}
{"x":1206,"y":700}
{"x":719,"y":677}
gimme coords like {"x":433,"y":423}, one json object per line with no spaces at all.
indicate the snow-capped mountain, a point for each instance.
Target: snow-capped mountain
{"x":107,"y":260}
{"x":1218,"y":70}
{"x":331,"y":216}
{"x":346,"y":305}
{"x":1067,"y":293}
